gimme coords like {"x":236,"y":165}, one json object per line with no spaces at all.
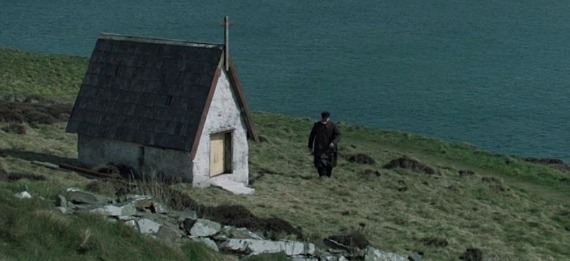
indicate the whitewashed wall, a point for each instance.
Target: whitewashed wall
{"x":224,"y":114}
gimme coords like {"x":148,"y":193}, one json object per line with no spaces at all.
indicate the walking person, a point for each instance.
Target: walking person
{"x":323,"y":142}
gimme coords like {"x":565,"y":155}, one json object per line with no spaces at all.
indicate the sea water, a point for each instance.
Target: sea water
{"x":492,"y":73}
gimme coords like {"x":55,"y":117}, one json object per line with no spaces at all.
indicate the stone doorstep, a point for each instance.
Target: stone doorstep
{"x":231,"y":186}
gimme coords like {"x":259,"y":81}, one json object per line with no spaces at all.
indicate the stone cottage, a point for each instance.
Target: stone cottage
{"x":170,"y":107}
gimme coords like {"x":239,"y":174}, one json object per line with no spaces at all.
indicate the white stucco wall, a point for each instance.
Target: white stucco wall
{"x":224,"y":114}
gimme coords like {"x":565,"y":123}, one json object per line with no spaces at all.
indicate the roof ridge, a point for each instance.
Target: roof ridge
{"x":119,"y":37}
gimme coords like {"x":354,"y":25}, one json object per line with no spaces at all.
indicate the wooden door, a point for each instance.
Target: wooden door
{"x":217,"y":154}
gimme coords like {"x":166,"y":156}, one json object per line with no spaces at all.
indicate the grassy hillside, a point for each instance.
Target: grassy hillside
{"x":508,"y":208}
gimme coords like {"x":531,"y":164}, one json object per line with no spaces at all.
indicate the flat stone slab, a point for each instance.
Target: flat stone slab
{"x":83,"y":197}
{"x":116,"y":211}
{"x":232,"y":186}
{"x":256,"y":247}
{"x":205,"y":228}
{"x":23,"y":195}
{"x":373,"y":254}
{"x":147,"y":226}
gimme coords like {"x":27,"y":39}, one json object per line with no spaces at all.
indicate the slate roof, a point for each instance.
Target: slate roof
{"x":154,"y":92}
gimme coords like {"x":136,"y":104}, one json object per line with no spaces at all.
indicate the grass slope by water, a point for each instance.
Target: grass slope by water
{"x":509,"y":208}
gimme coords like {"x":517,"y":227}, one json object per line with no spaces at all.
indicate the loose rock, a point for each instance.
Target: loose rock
{"x":373,"y":254}
{"x":205,"y":228}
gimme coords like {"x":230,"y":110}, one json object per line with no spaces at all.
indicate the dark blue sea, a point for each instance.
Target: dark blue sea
{"x":492,"y":73}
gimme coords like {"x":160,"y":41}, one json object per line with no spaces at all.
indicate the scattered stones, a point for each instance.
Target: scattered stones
{"x":172,"y":226}
{"x":82,"y":197}
{"x":147,"y":226}
{"x":240,"y":233}
{"x":23,"y":195}
{"x":554,"y":163}
{"x":472,"y":254}
{"x":166,"y":233}
{"x":60,"y":201}
{"x":131,"y":223}
{"x":361,"y":158}
{"x":409,"y":164}
{"x":182,"y":216}
{"x":373,"y":254}
{"x":205,"y":228}
{"x":116,"y":211}
{"x":256,"y":247}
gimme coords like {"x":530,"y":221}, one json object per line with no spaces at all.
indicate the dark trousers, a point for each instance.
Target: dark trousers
{"x":325,"y":171}
{"x":323,"y":162}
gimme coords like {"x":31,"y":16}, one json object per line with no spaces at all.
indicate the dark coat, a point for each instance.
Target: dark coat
{"x":321,"y":136}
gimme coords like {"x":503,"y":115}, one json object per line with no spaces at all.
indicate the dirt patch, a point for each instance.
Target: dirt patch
{"x":347,"y":241}
{"x":32,"y":110}
{"x":491,"y":180}
{"x":409,"y":164}
{"x":370,"y":173}
{"x":472,"y":254}
{"x":361,"y":158}
{"x":496,"y":184}
{"x":3,"y":173}
{"x":28,"y":176}
{"x":239,"y":216}
{"x":554,"y":163}
{"x":435,"y":241}
{"x":263,"y":139}
{"x":466,"y":173}
{"x":15,"y":127}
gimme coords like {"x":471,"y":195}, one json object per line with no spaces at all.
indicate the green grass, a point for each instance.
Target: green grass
{"x":53,"y":76}
{"x":522,"y":213}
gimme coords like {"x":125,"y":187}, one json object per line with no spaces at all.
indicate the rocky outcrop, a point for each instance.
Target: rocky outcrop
{"x":150,"y":217}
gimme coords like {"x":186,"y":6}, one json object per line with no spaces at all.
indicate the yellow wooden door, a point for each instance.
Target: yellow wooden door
{"x":217,"y":154}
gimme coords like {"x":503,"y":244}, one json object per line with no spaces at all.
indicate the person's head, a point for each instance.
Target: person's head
{"x":325,"y":115}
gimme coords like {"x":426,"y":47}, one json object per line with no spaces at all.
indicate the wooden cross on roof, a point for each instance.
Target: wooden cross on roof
{"x":226,"y":24}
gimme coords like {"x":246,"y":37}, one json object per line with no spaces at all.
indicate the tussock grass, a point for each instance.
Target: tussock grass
{"x":509,"y":208}
{"x":441,"y":215}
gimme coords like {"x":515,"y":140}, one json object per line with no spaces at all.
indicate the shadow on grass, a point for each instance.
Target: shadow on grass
{"x":36,"y":156}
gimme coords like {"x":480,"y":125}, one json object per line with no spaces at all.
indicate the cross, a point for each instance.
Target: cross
{"x":226,"y":24}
